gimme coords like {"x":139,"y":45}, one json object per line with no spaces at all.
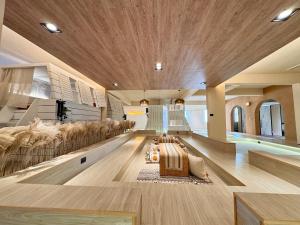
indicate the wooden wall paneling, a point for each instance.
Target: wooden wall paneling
{"x":47,"y":109}
{"x":79,"y":100}
{"x":100,"y":98}
{"x":66,"y":90}
{"x":79,"y":112}
{"x":115,"y":109}
{"x":55,"y":85}
{"x":85,"y":93}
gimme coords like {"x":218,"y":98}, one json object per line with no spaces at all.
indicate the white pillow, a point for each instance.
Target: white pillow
{"x":197,"y":166}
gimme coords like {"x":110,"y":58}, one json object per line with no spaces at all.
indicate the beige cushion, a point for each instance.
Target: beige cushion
{"x":197,"y":166}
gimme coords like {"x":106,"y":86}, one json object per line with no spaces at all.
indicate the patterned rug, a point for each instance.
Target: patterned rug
{"x":152,"y":176}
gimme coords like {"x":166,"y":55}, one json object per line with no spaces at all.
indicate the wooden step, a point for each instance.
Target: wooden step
{"x":109,"y":168}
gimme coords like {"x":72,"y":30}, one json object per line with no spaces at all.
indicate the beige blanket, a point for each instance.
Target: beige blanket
{"x":174,"y":157}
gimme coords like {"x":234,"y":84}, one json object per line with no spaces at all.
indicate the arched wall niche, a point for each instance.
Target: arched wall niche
{"x":270,"y":119}
{"x":281,"y":94}
{"x":238,"y":119}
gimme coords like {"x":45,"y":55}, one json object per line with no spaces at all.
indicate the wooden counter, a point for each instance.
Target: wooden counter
{"x":266,"y":209}
{"x":22,"y":204}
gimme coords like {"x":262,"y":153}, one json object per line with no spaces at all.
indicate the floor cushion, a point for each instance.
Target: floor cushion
{"x":197,"y":166}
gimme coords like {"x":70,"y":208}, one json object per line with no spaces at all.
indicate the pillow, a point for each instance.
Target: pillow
{"x":185,"y":149}
{"x":197,"y":166}
{"x":181,"y":145}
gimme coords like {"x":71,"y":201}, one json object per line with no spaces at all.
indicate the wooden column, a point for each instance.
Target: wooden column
{"x":2,"y":9}
{"x":296,"y":98}
{"x":216,"y":120}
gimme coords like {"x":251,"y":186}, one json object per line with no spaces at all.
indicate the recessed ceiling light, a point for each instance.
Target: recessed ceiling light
{"x":52,"y":28}
{"x":285,"y":15}
{"x":115,"y":84}
{"x":158,"y":66}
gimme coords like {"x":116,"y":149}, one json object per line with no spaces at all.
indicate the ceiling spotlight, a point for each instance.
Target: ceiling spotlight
{"x":51,"y":27}
{"x":285,"y":15}
{"x":115,"y":84}
{"x":158,"y":66}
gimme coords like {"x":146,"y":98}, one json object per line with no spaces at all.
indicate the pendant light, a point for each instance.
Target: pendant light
{"x":144,"y":102}
{"x":179,"y":101}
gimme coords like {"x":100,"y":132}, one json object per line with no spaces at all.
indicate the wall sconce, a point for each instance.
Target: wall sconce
{"x":248,"y":103}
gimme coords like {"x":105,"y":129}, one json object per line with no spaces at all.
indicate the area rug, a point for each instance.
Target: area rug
{"x":152,"y":176}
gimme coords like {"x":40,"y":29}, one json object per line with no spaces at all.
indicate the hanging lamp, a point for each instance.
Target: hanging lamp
{"x":179,"y":100}
{"x":144,"y":102}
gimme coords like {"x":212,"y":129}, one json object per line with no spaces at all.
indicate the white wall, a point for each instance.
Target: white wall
{"x":137,"y":114}
{"x":196,"y":115}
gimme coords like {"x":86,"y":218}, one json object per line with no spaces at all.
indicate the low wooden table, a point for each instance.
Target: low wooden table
{"x":164,"y":164}
{"x":266,"y":209}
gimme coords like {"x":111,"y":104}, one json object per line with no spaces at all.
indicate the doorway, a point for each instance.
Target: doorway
{"x":271,"y":117}
{"x":238,"y":119}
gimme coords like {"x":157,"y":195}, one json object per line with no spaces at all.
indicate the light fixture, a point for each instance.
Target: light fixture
{"x":52,"y":28}
{"x":158,"y":66}
{"x":179,"y":100}
{"x":115,"y":84}
{"x":248,"y":103}
{"x":285,"y":15}
{"x":144,"y":102}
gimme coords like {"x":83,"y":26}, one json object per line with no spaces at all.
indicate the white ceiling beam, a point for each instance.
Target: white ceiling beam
{"x":267,"y":79}
{"x":245,"y":92}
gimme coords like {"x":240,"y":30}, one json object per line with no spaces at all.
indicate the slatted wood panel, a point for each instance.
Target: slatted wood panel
{"x":85,"y":93}
{"x":115,"y":109}
{"x":100,"y":98}
{"x":176,"y":119}
{"x":55,"y":84}
{"x":155,"y":120}
{"x":66,"y":90}
{"x":120,"y":41}
{"x":82,"y":112}
{"x":47,"y":111}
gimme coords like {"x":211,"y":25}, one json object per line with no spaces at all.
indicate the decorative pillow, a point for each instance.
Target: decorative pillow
{"x":185,"y":149}
{"x":181,"y":145}
{"x":197,"y":166}
{"x":154,"y":156}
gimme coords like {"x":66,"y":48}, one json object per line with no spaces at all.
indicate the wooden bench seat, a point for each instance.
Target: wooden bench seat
{"x":286,"y":167}
{"x":105,"y":170}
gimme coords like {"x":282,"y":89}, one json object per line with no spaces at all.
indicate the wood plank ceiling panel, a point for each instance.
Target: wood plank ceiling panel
{"x":121,"y":40}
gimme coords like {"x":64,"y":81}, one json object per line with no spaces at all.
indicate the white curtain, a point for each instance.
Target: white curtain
{"x":15,"y":86}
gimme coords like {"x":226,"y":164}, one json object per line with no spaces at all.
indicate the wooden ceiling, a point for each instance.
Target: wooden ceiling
{"x":121,"y":40}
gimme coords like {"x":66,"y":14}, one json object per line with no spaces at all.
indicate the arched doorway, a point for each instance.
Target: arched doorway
{"x":238,"y":119}
{"x":271,"y":116}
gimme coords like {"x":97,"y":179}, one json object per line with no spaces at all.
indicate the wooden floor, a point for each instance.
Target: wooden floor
{"x":255,"y":179}
{"x":182,"y":204}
